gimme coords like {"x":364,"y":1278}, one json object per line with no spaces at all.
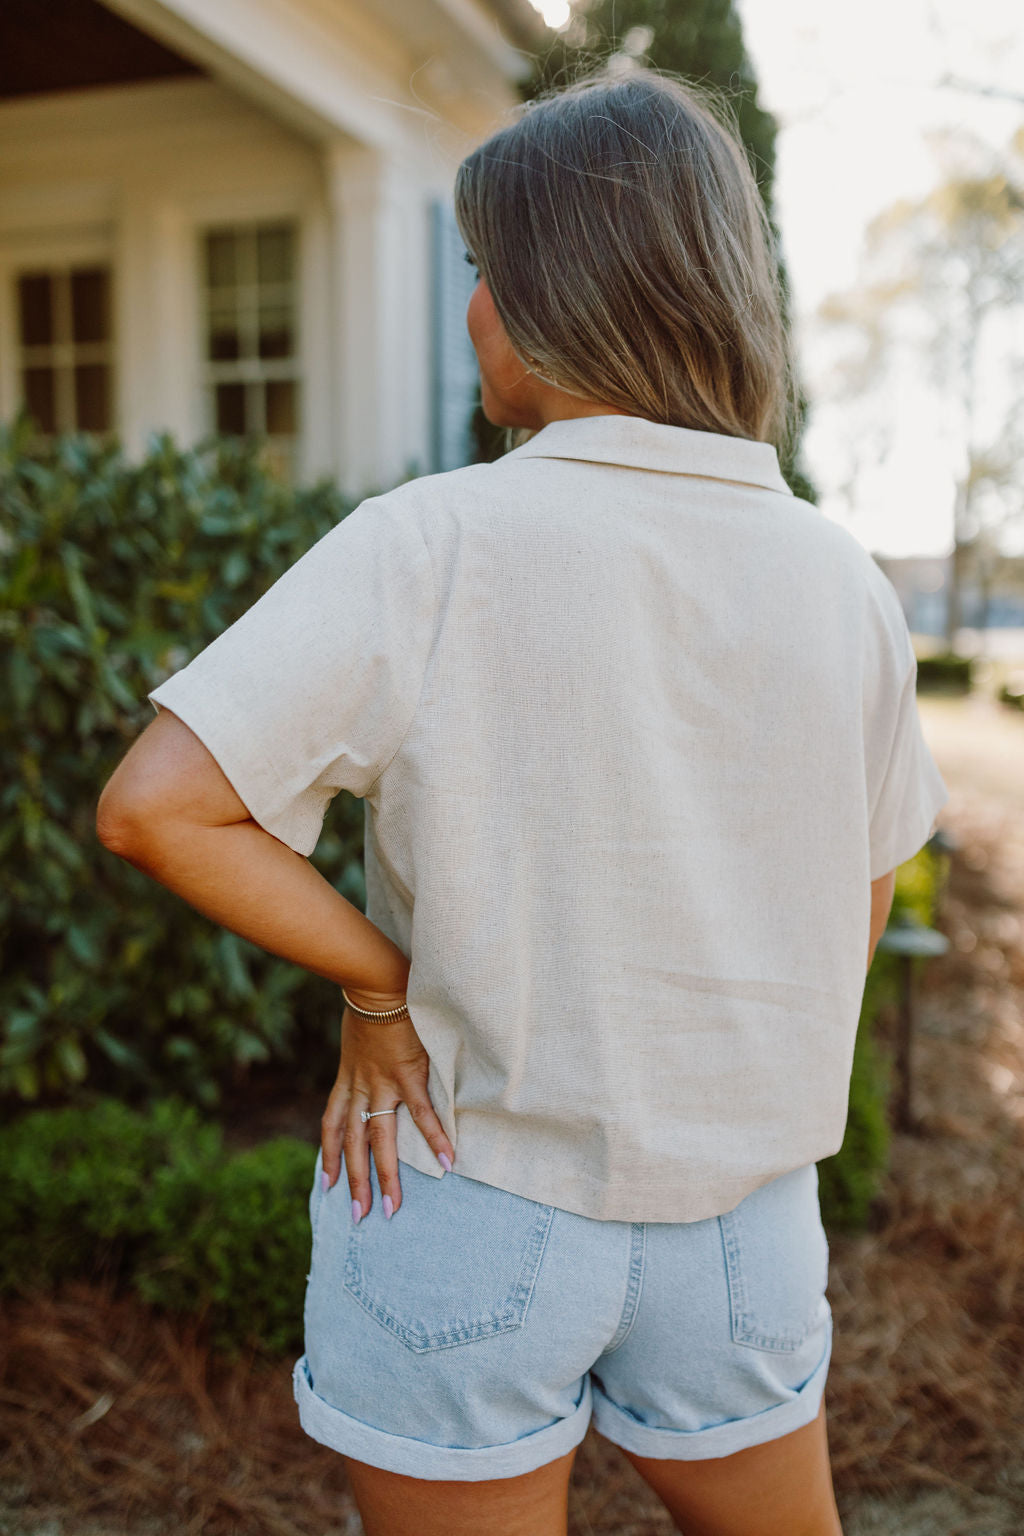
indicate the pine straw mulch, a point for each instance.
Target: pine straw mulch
{"x":116,"y":1422}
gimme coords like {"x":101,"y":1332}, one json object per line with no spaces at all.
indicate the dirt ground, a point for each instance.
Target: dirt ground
{"x":115,"y":1423}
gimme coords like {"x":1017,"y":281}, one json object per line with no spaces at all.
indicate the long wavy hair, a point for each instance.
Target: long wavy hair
{"x":619,"y":227}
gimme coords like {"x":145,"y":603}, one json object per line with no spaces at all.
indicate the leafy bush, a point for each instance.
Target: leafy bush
{"x":946,"y":672}
{"x":244,"y":1255}
{"x":848,"y":1181}
{"x":112,"y":575}
{"x":83,"y":1188}
{"x":152,"y":1200}
{"x":918,"y":883}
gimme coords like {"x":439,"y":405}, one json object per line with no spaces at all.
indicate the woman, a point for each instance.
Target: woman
{"x":636,"y":730}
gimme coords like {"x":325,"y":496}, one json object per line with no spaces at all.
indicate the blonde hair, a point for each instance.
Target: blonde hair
{"x":629,"y":254}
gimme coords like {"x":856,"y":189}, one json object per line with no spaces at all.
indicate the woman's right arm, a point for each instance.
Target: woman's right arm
{"x":882,"y":891}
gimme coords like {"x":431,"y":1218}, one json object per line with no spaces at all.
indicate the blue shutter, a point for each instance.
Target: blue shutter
{"x":455,"y":378}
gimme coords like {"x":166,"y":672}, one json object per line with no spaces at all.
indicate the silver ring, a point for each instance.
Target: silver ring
{"x":368,"y":1114}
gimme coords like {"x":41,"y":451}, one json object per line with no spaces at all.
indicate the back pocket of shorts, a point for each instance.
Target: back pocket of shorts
{"x":776,"y":1259}
{"x":457,"y":1262}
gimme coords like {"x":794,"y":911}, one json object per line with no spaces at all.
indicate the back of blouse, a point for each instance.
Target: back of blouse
{"x":635,"y":729}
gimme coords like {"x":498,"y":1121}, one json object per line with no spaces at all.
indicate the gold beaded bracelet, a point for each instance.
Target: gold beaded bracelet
{"x":380,"y":1016}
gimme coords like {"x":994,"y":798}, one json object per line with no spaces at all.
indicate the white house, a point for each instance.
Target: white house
{"x":236,"y":215}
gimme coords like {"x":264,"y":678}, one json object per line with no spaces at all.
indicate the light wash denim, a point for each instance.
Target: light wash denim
{"x":475,"y":1334}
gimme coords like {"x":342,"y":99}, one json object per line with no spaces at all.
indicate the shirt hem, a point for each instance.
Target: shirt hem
{"x":606,"y":1203}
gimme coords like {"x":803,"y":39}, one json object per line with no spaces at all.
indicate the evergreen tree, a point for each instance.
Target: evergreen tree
{"x":702,"y":39}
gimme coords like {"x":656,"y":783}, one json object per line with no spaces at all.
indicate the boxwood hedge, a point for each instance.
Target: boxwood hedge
{"x":152,"y":1201}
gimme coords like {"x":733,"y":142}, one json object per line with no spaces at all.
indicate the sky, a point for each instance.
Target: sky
{"x":855,"y":92}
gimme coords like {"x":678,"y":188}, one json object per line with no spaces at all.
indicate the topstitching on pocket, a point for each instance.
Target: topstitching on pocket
{"x":457,"y":1262}
{"x":776,"y":1260}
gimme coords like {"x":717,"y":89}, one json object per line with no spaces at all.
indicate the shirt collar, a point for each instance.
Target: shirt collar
{"x":643,"y":444}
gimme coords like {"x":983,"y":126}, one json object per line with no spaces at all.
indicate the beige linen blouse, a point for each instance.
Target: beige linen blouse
{"x":635,"y":728}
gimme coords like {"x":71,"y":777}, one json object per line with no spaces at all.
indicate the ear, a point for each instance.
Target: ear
{"x":166,"y":776}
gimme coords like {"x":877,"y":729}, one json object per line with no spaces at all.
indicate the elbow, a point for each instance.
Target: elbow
{"x":115,"y":827}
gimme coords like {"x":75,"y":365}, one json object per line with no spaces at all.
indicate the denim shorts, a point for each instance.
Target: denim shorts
{"x":474,"y":1334}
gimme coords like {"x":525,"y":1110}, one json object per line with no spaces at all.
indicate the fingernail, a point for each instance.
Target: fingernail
{"x":325,"y":1181}
{"x":357,"y":1211}
{"x":388,"y":1204}
{"x":445,"y":1161}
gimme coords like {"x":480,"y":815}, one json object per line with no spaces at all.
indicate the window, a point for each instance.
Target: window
{"x":66,"y":362}
{"x":249,"y":333}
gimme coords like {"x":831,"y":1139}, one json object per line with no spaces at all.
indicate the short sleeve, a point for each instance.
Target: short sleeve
{"x":314,"y":688}
{"x":911,"y":792}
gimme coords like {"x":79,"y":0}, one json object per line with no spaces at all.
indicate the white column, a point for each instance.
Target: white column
{"x":317,"y":412}
{"x":156,"y":338}
{"x":379,"y":336}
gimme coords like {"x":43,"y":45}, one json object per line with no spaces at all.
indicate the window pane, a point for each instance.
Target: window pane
{"x":223,"y":342}
{"x":35,"y":304}
{"x":281,"y":406}
{"x":40,"y":393}
{"x":220,"y":260}
{"x":230,"y":408}
{"x":92,"y":397}
{"x":275,"y":339}
{"x":90,"y":304}
{"x":274,"y":254}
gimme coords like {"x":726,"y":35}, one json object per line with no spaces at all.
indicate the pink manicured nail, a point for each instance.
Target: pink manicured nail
{"x":357,"y":1211}
{"x":388,"y":1205}
{"x":445,"y":1161}
{"x":325,"y":1181}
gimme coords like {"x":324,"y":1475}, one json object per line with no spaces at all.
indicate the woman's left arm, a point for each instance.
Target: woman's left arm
{"x":169,"y":810}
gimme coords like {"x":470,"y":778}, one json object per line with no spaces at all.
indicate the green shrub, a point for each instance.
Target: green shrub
{"x":152,"y":1200}
{"x":242,"y":1258}
{"x":1012,"y":691}
{"x":112,"y":575}
{"x":917,"y":886}
{"x":945,"y":672}
{"x":849,"y":1180}
{"x":80,"y":1187}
